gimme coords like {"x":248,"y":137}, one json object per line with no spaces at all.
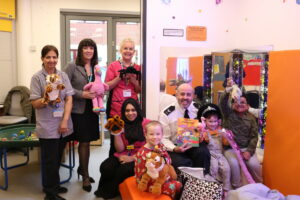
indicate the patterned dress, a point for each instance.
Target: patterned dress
{"x":170,"y":187}
{"x":219,"y":167}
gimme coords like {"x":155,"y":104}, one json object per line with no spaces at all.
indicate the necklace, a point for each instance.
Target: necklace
{"x":131,"y":64}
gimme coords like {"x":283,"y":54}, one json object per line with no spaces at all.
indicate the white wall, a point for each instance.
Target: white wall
{"x":8,"y":77}
{"x":231,"y":24}
{"x":38,"y":24}
{"x":268,"y":22}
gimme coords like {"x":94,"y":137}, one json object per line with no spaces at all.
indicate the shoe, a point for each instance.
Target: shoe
{"x":87,"y":187}
{"x":97,"y":194}
{"x":53,"y":197}
{"x":79,"y":173}
{"x":100,"y":194}
{"x":62,"y":190}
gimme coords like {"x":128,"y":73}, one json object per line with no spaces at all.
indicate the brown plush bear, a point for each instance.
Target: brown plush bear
{"x":52,"y":89}
{"x":115,"y":125}
{"x":158,"y":171}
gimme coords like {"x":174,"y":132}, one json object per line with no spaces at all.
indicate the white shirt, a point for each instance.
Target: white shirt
{"x":169,"y":117}
{"x":165,"y":100}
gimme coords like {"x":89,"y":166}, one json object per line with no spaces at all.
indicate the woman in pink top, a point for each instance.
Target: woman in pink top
{"x":121,"y":86}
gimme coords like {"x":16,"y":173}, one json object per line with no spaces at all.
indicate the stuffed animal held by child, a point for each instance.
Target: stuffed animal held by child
{"x":115,"y":125}
{"x":158,"y":171}
{"x":236,"y":93}
{"x":99,"y":88}
{"x":52,"y":89}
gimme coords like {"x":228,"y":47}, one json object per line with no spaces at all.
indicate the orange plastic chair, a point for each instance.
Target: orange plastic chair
{"x":129,"y":191}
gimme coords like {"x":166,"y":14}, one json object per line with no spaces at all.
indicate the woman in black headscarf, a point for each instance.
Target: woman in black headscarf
{"x":115,"y":169}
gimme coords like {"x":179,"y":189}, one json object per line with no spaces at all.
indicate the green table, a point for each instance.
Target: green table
{"x":19,"y":136}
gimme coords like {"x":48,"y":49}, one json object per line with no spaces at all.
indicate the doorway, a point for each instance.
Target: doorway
{"x":107,"y":30}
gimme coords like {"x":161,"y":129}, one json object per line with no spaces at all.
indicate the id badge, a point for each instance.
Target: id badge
{"x":126,"y":93}
{"x":58,"y":112}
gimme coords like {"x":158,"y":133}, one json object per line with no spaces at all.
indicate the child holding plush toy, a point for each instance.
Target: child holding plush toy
{"x":153,"y":170}
{"x":212,"y":133}
{"x":245,"y":133}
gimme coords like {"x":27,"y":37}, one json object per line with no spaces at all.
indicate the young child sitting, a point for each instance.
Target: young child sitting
{"x":245,"y":133}
{"x":169,"y":186}
{"x":211,"y":133}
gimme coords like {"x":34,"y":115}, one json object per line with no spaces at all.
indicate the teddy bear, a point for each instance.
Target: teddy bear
{"x":115,"y":125}
{"x":99,"y":88}
{"x":52,"y":89}
{"x":158,"y":172}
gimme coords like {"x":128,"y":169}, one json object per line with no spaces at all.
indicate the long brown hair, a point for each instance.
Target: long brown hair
{"x":84,"y":43}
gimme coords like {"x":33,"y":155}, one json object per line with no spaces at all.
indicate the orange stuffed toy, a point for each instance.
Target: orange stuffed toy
{"x":158,"y":171}
{"x":115,"y":125}
{"x":52,"y":89}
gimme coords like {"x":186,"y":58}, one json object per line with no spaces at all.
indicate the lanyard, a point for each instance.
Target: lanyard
{"x":123,"y":66}
{"x":90,"y":77}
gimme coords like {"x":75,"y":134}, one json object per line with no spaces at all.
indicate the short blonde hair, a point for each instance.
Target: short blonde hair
{"x":125,"y":40}
{"x":153,"y":124}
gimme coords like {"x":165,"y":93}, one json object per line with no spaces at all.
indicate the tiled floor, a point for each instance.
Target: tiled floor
{"x":25,"y":182}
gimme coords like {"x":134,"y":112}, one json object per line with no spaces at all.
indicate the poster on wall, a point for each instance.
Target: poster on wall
{"x":5,"y":25}
{"x":173,"y":32}
{"x":252,"y":72}
{"x":196,"y":33}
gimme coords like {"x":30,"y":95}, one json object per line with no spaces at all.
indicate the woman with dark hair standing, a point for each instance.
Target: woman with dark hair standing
{"x":85,"y":121}
{"x":115,"y":169}
{"x":53,"y":121}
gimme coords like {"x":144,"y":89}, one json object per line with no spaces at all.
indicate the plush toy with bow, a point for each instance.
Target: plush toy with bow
{"x":115,"y":125}
{"x":99,"y":88}
{"x":52,"y":89}
{"x":158,"y":172}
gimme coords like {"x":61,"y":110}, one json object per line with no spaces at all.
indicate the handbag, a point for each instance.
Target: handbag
{"x":196,"y":186}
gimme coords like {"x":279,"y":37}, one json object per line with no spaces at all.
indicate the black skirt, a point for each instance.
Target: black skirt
{"x":86,"y":125}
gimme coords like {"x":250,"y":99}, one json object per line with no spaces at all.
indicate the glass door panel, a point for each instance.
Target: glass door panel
{"x":128,"y":28}
{"x":96,"y":30}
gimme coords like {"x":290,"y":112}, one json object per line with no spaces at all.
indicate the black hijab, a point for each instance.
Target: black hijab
{"x":133,"y":129}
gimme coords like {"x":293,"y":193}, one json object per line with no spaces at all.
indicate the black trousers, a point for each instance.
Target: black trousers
{"x":51,"y":154}
{"x":194,"y":157}
{"x":112,"y":174}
